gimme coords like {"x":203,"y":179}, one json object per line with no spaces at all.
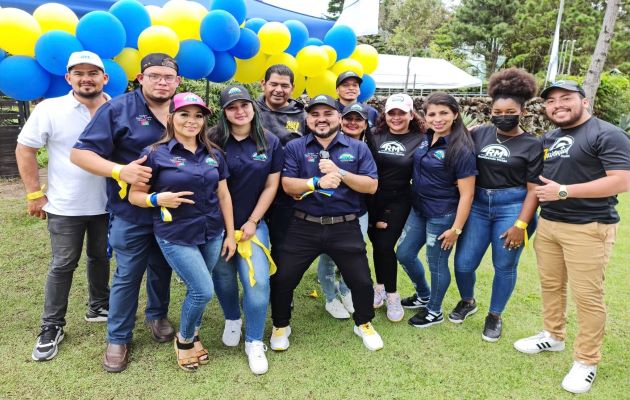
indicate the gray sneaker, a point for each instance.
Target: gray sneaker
{"x":47,"y":343}
{"x":98,"y":315}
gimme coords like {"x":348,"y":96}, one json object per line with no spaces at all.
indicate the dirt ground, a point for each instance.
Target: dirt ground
{"x":12,"y":188}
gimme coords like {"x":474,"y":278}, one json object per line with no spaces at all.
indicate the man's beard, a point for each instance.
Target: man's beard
{"x":90,"y":95}
{"x":571,"y":122}
{"x":329,"y":133}
{"x":159,"y":100}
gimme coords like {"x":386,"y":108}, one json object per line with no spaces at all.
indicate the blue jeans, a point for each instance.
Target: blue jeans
{"x":419,"y":230}
{"x":493,"y":212}
{"x":255,"y":298}
{"x":326,"y":270}
{"x":194,"y":265}
{"x":136,"y":251}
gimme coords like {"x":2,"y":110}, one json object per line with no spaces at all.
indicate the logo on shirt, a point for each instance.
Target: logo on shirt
{"x":259,"y":157}
{"x":144,"y":120}
{"x":310,"y":157}
{"x":439,"y":154}
{"x":423,"y":145}
{"x":292,"y":126}
{"x":560,"y":148}
{"x":179,"y":162}
{"x":212,"y":162}
{"x":495,"y":152}
{"x":392,"y":148}
{"x":346,"y":157}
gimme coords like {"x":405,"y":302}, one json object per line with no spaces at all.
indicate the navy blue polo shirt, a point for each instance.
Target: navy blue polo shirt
{"x":301,"y":160}
{"x":176,"y":169}
{"x":434,"y":186}
{"x":119,"y":131}
{"x":249,"y":171}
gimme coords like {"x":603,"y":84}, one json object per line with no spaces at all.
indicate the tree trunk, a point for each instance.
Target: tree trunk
{"x":593,"y":76}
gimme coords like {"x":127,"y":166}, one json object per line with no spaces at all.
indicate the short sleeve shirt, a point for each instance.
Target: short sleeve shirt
{"x":394,"y":158}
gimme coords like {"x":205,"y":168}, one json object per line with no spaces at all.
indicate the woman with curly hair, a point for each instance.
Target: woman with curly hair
{"x":503,"y":213}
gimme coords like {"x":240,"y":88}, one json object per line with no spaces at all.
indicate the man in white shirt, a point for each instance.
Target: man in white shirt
{"x":74,"y":202}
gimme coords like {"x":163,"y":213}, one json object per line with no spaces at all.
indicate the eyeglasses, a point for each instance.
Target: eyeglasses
{"x":155,"y":78}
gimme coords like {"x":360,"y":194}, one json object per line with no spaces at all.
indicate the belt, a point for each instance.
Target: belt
{"x":325,"y":220}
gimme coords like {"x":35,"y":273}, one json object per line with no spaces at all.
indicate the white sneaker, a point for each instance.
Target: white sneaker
{"x":580,"y":378}
{"x":537,"y":343}
{"x":395,"y":311}
{"x":371,"y":339}
{"x":347,"y":302}
{"x":256,"y":356}
{"x":379,"y":295}
{"x":279,"y":340}
{"x":336,"y":309}
{"x":232,"y":332}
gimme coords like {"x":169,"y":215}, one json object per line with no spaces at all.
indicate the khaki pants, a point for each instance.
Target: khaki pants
{"x":577,"y":254}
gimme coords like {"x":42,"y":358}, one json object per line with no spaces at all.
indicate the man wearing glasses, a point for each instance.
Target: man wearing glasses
{"x":110,"y":146}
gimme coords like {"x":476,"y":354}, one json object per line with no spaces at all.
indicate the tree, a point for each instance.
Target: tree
{"x":335,"y":7}
{"x":411,"y":24}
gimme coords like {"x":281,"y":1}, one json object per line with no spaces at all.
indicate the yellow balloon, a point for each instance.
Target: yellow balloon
{"x":299,"y":85}
{"x":56,"y":16}
{"x":283,"y":58}
{"x":251,"y":70}
{"x":367,"y":56}
{"x":157,"y":15}
{"x":347,"y":64}
{"x":322,"y":84}
{"x":184,"y":18}
{"x":274,"y":38}
{"x":332,"y":54}
{"x":312,"y":61}
{"x":158,"y":39}
{"x":19,"y":32}
{"x":129,"y":59}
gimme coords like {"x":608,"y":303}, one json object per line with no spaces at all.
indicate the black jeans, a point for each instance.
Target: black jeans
{"x":278,"y":219}
{"x":66,"y":238}
{"x":344,"y":243}
{"x":393,"y":208}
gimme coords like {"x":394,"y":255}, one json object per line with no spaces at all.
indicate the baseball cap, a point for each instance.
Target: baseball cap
{"x":188,"y":99}
{"x":232,"y":93}
{"x":158,"y":60}
{"x":84,"y":57}
{"x":355,"y":108}
{"x":348,"y":74}
{"x":571,"y":86}
{"x":401,"y":101}
{"x":321,"y":99}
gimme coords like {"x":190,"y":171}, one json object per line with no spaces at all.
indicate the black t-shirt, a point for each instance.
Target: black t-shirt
{"x":579,"y":155}
{"x":394,"y":158}
{"x":508,"y":161}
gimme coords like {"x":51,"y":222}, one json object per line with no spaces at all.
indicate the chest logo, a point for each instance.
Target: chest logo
{"x":346,"y":157}
{"x":560,"y":148}
{"x":439,"y":154}
{"x":292,"y":126}
{"x":178,"y":161}
{"x":212,"y":162}
{"x":423,"y":145}
{"x":392,"y":148}
{"x":310,"y":157}
{"x":144,"y":119}
{"x":495,"y":152}
{"x":259,"y":157}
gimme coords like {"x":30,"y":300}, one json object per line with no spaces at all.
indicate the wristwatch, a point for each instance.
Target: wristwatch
{"x":343,"y":173}
{"x":457,"y":231}
{"x":562,"y":192}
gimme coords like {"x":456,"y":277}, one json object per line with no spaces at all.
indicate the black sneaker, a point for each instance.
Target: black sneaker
{"x":462,"y":311}
{"x":425,"y":318}
{"x":413,"y":302}
{"x":492,"y":328}
{"x":99,"y":315}
{"x":47,"y":343}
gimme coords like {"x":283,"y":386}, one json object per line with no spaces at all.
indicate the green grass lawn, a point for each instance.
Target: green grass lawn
{"x":325,"y":361}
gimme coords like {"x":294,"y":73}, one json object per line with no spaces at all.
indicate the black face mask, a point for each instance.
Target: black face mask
{"x":505,"y":123}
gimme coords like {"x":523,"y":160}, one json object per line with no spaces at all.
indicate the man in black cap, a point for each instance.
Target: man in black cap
{"x":330,"y":173}
{"x":586,"y":164}
{"x":349,"y":90}
{"x":110,"y":146}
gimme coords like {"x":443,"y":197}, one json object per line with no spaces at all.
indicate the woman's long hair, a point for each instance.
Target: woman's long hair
{"x":220,"y":133}
{"x":459,"y":139}
{"x":202,"y":137}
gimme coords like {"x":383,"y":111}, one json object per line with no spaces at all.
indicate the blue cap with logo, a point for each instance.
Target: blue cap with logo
{"x":233,"y":93}
{"x":571,"y":86}
{"x":355,"y":108}
{"x":321,"y":99}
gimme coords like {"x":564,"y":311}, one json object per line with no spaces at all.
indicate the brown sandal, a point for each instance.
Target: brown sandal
{"x":189,"y":364}
{"x":200,"y":351}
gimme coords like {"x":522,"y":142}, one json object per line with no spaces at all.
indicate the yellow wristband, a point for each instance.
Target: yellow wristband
{"x":35,"y":195}
{"x":122,"y":184}
{"x":520,"y":224}
{"x":310,"y":184}
{"x":116,"y":171}
{"x":148,"y":200}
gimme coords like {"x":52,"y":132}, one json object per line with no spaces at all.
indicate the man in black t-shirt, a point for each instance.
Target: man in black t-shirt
{"x":586,"y":164}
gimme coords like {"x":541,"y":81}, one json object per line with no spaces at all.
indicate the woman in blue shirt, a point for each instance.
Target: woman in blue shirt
{"x":192,"y":203}
{"x":254,"y":158}
{"x":443,"y":186}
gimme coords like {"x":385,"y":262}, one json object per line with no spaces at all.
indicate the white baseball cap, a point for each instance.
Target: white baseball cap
{"x":401,"y":101}
{"x":84,"y":57}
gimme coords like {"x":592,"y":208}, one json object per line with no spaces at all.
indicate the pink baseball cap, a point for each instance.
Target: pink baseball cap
{"x":401,"y":101}
{"x":188,"y":99}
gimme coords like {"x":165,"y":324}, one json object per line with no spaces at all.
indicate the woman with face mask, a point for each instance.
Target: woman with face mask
{"x":503,"y":213}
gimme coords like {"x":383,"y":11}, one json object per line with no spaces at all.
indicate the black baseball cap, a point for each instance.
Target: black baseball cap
{"x":346,"y":75}
{"x":322,"y":99}
{"x":158,"y":60}
{"x":571,"y":86}
{"x":232,"y":93}
{"x":355,"y":108}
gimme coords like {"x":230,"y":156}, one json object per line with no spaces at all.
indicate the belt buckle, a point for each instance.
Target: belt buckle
{"x":326,"y":220}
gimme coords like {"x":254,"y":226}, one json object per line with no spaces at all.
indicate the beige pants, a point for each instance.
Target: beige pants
{"x":577,"y":254}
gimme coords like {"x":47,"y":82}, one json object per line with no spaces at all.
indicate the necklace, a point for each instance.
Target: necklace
{"x":496,"y":135}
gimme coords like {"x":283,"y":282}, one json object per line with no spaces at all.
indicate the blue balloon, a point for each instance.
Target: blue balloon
{"x":313,"y":42}
{"x":58,"y":87}
{"x":134,"y":17}
{"x":255,"y":24}
{"x":117,"y":84}
{"x":247,"y":46}
{"x":237,"y":8}
{"x":101,"y":33}
{"x":195,"y":59}
{"x":22,"y":78}
{"x":224,"y":67}
{"x":53,"y":49}
{"x":220,"y":30}
{"x":3,"y":54}
{"x":367,"y":88}
{"x":299,"y":36}
{"x":343,"y":39}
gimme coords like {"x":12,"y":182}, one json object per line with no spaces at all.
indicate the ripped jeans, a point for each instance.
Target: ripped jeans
{"x":419,"y":230}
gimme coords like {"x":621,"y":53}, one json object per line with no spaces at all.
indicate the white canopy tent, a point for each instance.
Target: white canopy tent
{"x":419,"y":73}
